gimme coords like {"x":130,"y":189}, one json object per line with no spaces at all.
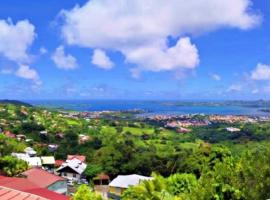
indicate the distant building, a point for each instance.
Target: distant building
{"x":52,"y":147}
{"x":72,"y":169}
{"x":30,"y":151}
{"x":79,"y":157}
{"x":32,"y":161}
{"x":44,"y":179}
{"x":9,"y":134}
{"x":232,"y":129}
{"x":122,"y":182}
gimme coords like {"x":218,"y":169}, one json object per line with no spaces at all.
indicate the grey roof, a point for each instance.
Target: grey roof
{"x":124,"y":181}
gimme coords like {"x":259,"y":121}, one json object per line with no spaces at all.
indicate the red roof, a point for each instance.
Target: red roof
{"x":41,"y":178}
{"x":9,"y":134}
{"x":11,"y":194}
{"x":48,"y":194}
{"x":21,"y":184}
{"x":79,"y":157}
{"x":24,"y":185}
{"x":59,"y":162}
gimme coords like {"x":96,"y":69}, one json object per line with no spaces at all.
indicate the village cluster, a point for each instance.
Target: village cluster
{"x":53,"y":179}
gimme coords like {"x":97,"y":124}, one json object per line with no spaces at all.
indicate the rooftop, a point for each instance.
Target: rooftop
{"x":41,"y":178}
{"x":11,"y":194}
{"x":124,"y":181}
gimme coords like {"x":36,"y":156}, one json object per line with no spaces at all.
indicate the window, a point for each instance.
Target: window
{"x":74,"y":175}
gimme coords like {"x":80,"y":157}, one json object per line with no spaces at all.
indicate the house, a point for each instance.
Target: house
{"x":72,"y":169}
{"x":21,"y":137}
{"x":21,"y":187}
{"x":52,"y":147}
{"x":79,"y":157}
{"x":232,"y":129}
{"x":9,"y":134}
{"x":122,"y":182}
{"x":43,"y":133}
{"x":83,"y":138}
{"x":32,"y":161}
{"x":44,"y":179}
{"x":30,"y":151}
{"x":47,"y":161}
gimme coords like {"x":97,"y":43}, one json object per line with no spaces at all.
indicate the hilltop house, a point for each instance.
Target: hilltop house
{"x":122,"y":182}
{"x":44,"y":179}
{"x":72,"y":169}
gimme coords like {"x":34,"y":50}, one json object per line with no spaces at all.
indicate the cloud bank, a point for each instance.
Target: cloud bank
{"x":140,"y":29}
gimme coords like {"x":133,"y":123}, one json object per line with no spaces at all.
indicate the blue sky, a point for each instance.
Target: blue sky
{"x":133,"y":50}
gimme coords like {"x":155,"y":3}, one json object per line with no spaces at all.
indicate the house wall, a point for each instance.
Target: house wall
{"x":59,"y":187}
{"x":69,"y":175}
{"x":116,"y":190}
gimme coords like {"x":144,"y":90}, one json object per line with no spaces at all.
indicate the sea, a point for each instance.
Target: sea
{"x":147,"y":107}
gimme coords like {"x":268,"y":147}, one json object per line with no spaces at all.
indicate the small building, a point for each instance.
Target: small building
{"x":9,"y":134}
{"x":30,"y":151}
{"x":44,"y":179}
{"x":21,"y":137}
{"x":122,"y":182}
{"x":43,"y":133}
{"x":72,"y":169}
{"x":232,"y":129}
{"x":32,"y":161}
{"x":83,"y":138}
{"x":52,"y":147}
{"x":48,"y":161}
{"x":101,"y":179}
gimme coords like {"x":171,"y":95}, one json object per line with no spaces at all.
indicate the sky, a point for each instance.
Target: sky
{"x":135,"y":49}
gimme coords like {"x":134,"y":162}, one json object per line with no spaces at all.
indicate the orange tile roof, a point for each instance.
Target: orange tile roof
{"x":11,"y":194}
{"x":79,"y":157}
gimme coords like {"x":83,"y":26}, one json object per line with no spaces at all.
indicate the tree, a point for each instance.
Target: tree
{"x":92,"y":170}
{"x":85,"y":193}
{"x":11,"y":166}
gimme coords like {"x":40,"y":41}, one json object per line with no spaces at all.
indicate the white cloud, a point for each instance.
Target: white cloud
{"x":26,"y":72}
{"x":101,"y":60}
{"x":261,"y":72}
{"x":43,"y":50}
{"x":15,"y":39}
{"x":140,"y":29}
{"x":215,"y":77}
{"x":235,"y":88}
{"x":64,"y":61}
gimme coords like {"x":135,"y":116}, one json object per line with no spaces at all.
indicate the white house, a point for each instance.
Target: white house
{"x":32,"y":161}
{"x":30,"y":151}
{"x":122,"y":182}
{"x":72,"y":169}
{"x":232,"y":129}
